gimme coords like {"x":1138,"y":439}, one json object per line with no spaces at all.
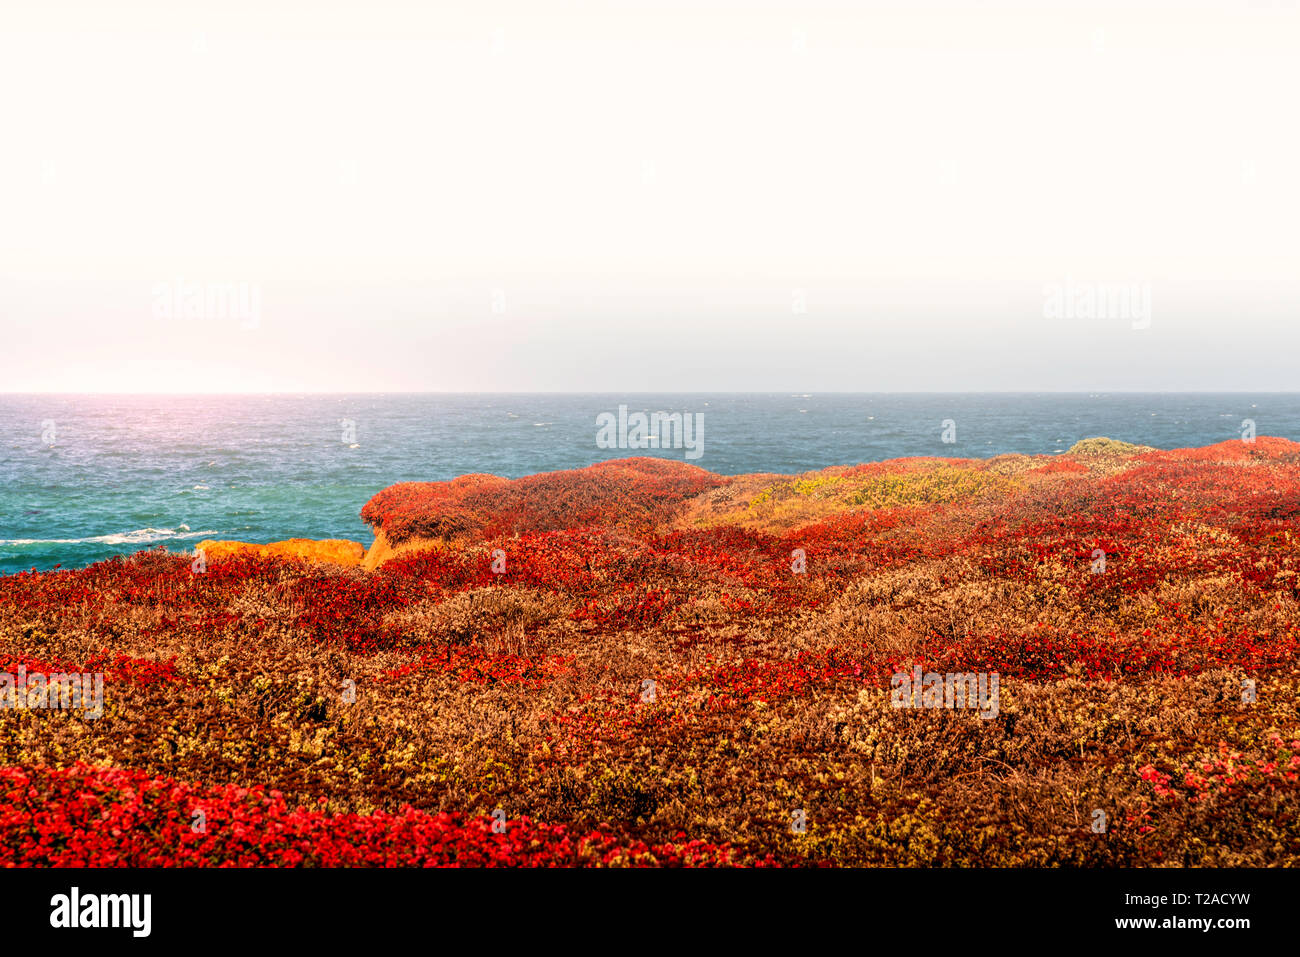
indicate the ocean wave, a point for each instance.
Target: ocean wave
{"x":141,"y":536}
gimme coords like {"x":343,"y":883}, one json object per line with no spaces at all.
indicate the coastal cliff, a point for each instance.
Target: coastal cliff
{"x":926,"y":661}
{"x":641,"y":496}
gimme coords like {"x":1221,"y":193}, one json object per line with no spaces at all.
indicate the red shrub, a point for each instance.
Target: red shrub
{"x":633,"y":494}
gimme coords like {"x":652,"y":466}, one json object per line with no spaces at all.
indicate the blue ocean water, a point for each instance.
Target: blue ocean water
{"x":86,"y":477}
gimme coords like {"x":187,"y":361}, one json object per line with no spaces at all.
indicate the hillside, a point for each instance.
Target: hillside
{"x":643,"y":662}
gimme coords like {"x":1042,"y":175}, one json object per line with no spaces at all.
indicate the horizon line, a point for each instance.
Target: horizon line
{"x":794,"y":391}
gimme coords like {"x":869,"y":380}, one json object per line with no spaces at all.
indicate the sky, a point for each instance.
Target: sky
{"x":649,"y":196}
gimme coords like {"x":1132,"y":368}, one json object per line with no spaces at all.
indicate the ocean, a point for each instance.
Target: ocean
{"x":84,"y":477}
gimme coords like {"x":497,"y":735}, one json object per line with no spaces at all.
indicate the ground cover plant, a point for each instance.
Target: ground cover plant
{"x":644,"y":663}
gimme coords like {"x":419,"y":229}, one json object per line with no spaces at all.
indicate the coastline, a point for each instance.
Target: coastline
{"x":938,"y":662}
{"x":703,"y":499}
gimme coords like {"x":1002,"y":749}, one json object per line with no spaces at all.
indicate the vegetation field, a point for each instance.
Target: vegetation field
{"x":645,"y":663}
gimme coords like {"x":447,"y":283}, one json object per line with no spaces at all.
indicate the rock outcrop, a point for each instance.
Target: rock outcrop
{"x":334,"y":551}
{"x":382,"y":550}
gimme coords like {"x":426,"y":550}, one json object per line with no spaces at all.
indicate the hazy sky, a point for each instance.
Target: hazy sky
{"x":649,"y":195}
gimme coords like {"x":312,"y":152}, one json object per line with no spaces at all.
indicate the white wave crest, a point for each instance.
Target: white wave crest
{"x":141,"y":536}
